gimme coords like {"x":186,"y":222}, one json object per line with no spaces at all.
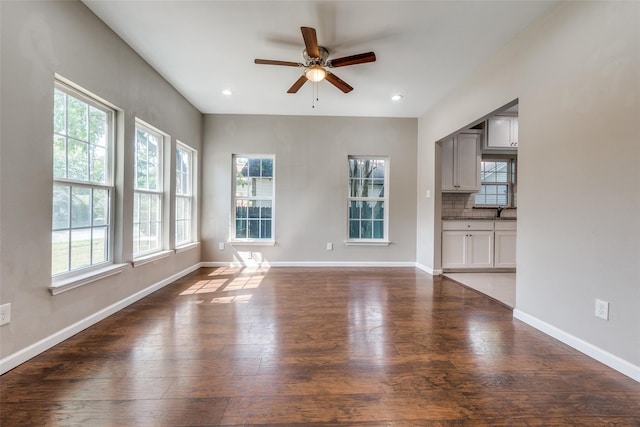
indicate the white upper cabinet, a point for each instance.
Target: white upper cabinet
{"x":461,"y":163}
{"x":502,"y":133}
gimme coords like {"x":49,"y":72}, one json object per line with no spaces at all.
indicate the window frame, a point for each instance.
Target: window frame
{"x":160,"y":192}
{"x":234,"y":198}
{"x":74,"y":277}
{"x":190,"y":196}
{"x":385,"y":240}
{"x":510,"y":182}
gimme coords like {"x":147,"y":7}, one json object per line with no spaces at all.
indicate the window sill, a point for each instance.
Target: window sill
{"x":64,"y":285}
{"x":187,"y":247}
{"x":367,"y":242}
{"x":252,"y":242}
{"x":150,"y":258}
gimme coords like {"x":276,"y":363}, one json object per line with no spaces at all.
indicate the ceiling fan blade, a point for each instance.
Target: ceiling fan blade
{"x":298,"y":84}
{"x":352,"y":60}
{"x":272,"y":62}
{"x":338,"y":82}
{"x":310,"y":41}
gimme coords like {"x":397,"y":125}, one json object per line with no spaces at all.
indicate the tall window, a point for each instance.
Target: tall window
{"x":148,"y":191}
{"x":368,"y":178}
{"x":253,"y":197}
{"x":82,"y":181}
{"x":184,"y":194}
{"x":497,"y":178}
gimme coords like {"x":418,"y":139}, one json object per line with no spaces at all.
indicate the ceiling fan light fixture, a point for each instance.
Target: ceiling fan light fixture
{"x":315,"y":73}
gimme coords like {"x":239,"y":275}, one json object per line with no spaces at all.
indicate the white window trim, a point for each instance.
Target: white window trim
{"x":193,"y":154}
{"x":385,"y":241}
{"x":75,"y":278}
{"x":149,"y":258}
{"x":142,"y":257}
{"x":60,"y":285}
{"x":186,"y":247}
{"x":252,"y":241}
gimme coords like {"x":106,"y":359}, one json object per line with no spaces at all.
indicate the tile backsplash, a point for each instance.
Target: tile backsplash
{"x":461,"y":206}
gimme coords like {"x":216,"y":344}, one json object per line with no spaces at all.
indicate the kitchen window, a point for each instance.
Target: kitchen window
{"x":497,"y":177}
{"x":83,"y":170}
{"x":253,"y":201}
{"x":368,"y":200}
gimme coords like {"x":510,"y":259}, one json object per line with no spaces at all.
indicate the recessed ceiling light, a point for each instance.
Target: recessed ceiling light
{"x":227,"y":92}
{"x":396,"y":97}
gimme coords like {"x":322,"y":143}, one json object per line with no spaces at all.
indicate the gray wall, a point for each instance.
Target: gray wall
{"x":311,"y":184}
{"x":38,"y":40}
{"x":576,"y":74}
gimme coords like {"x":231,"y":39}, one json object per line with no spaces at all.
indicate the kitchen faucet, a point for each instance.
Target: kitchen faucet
{"x":499,"y":211}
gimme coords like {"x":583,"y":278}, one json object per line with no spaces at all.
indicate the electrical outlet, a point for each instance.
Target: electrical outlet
{"x":602,"y":309}
{"x":221,"y":246}
{"x":329,"y":246}
{"x":5,"y":314}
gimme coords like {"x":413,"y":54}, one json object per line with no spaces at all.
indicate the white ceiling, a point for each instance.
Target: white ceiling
{"x":424,"y":49}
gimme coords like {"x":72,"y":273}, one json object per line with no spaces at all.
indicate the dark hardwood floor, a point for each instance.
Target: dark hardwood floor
{"x":363,"y":347}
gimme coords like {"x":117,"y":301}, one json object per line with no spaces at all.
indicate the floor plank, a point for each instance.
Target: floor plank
{"x":303,"y":346}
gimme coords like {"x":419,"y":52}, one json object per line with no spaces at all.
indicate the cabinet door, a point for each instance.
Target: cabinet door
{"x":499,"y":132}
{"x":447,"y":162}
{"x":454,"y":249}
{"x":468,"y":162}
{"x":514,"y":131}
{"x":505,"y":249}
{"x":480,"y":249}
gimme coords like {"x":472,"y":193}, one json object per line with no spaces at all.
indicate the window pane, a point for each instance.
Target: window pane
{"x":267,"y":167}
{"x":59,"y":157}
{"x":61,"y":214}
{"x":263,"y":187}
{"x":378,"y":210}
{"x":98,"y":164}
{"x":78,"y":160}
{"x":99,"y":246}
{"x":80,"y":207}
{"x":378,"y":229}
{"x":154,"y":208}
{"x":241,"y":209}
{"x":59,"y":252}
{"x":80,"y":248}
{"x":180,"y":229}
{"x":265,"y":210}
{"x":97,"y":127}
{"x":254,"y":229}
{"x":241,"y":229}
{"x":354,"y":210}
{"x":77,"y":120}
{"x":265,"y":229}
{"x":366,"y":229}
{"x":59,"y":112}
{"x":100,"y":207}
{"x":354,"y":229}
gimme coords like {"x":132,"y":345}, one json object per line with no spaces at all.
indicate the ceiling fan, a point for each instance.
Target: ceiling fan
{"x":316,"y":63}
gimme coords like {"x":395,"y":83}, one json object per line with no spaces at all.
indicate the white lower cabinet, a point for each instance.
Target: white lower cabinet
{"x":475,"y":244}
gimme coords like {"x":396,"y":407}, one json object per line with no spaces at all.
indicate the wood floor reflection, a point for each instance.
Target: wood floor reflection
{"x":364,"y":347}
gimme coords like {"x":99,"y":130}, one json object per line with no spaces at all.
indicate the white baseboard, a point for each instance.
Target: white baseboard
{"x":308,"y":264}
{"x":590,"y":350}
{"x":429,"y":270}
{"x":33,"y":350}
